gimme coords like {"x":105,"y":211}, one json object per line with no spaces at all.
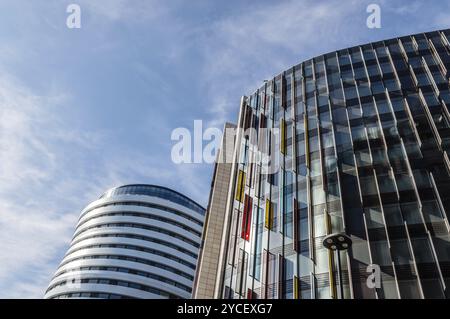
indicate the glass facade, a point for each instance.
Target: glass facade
{"x":363,"y":149}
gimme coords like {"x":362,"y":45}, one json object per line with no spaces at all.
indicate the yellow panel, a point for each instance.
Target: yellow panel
{"x":240,"y":186}
{"x":269,"y":214}
{"x":295,"y":287}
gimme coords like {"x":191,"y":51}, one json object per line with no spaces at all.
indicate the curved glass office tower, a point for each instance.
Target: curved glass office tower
{"x":135,"y":241}
{"x":363,"y":143}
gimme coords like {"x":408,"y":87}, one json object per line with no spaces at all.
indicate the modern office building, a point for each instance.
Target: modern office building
{"x":360,"y":140}
{"x":135,"y":241}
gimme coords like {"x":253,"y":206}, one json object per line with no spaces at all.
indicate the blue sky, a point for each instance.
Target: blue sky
{"x":83,"y":110}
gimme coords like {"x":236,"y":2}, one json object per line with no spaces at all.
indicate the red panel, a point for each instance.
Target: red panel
{"x":247,"y":218}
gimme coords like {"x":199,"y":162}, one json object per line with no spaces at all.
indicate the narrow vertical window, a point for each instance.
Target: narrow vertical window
{"x":257,"y":180}
{"x":283,"y":136}
{"x":281,"y":202}
{"x":248,"y":181}
{"x":296,"y":226}
{"x":232,"y":244}
{"x":264,"y":274}
{"x":280,"y":276}
{"x":241,"y":278}
{"x":271,"y":275}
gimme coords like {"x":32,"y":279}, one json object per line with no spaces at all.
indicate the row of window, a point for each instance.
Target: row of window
{"x":432,"y":75}
{"x":100,"y":295}
{"x":136,"y":248}
{"x":114,"y":282}
{"x":152,"y":263}
{"x":128,"y":271}
{"x":145,"y":215}
{"x":146,"y":227}
{"x":139,"y":237}
{"x":279,"y":281}
{"x":149,"y":205}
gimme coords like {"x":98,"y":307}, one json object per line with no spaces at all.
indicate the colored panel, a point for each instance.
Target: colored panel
{"x":247,"y":218}
{"x":269,"y":214}
{"x":240,"y":186}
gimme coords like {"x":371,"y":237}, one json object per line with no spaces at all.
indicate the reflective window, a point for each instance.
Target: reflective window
{"x":156,"y":191}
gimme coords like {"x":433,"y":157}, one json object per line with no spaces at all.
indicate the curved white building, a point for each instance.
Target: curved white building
{"x":135,"y":241}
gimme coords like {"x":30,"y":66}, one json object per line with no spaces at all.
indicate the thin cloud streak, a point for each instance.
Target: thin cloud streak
{"x":245,"y":49}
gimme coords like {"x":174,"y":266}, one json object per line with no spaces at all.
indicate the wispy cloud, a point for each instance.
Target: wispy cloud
{"x":30,"y":219}
{"x":402,"y":8}
{"x":121,"y":10}
{"x":242,"y":50}
{"x":48,"y":172}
